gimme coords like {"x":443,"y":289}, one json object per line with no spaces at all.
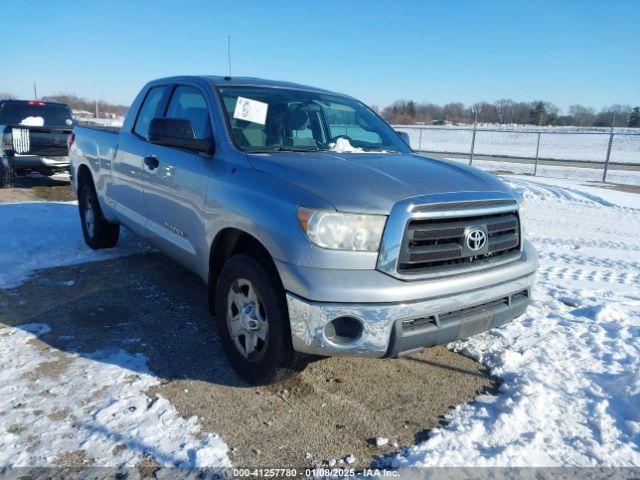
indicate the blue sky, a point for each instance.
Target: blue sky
{"x":563,"y":51}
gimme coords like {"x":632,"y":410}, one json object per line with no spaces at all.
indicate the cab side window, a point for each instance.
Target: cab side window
{"x":188,"y":103}
{"x":148,"y":111}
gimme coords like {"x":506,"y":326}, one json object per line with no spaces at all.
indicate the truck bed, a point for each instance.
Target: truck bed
{"x":105,"y":128}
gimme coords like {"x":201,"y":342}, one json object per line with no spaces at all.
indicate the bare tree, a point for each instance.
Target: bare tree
{"x":520,"y":113}
{"x":454,"y":112}
{"x":476,"y":111}
{"x":488,"y":112}
{"x":6,"y":96}
{"x":428,"y":112}
{"x":504,"y":107}
{"x":623,"y":112}
{"x":582,"y":116}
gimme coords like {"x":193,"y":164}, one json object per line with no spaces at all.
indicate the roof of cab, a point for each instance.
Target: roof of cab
{"x":221,"y":81}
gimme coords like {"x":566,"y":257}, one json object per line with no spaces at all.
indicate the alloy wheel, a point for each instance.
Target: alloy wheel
{"x":247,"y":320}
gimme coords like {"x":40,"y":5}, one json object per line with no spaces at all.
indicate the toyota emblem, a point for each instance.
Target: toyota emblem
{"x":476,"y":239}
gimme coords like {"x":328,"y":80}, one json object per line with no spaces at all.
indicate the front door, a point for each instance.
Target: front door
{"x":175,"y":183}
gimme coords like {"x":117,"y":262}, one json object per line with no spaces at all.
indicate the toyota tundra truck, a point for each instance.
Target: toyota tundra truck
{"x":316,"y":228}
{"x":33,"y":138}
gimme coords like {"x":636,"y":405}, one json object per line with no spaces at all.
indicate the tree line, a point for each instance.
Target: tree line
{"x":507,"y":111}
{"x":78,"y":103}
{"x":504,"y":111}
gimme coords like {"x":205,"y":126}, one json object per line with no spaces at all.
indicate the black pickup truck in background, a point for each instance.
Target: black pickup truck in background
{"x":33,"y":138}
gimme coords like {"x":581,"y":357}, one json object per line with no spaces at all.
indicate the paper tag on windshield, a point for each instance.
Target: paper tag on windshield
{"x":251,"y":110}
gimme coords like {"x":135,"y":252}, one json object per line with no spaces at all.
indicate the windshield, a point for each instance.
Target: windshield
{"x":264,"y":119}
{"x":35,"y":114}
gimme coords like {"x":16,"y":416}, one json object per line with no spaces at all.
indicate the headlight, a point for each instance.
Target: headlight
{"x":342,"y":231}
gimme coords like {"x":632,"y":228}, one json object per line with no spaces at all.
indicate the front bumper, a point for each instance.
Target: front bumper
{"x":440,"y":311}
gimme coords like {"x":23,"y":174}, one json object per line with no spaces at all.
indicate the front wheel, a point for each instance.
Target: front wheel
{"x":253,"y":322}
{"x":97,"y":231}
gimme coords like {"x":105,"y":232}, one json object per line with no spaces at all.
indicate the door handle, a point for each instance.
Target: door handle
{"x":151,"y":162}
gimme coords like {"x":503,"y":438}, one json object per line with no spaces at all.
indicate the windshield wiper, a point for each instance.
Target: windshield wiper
{"x":286,"y":148}
{"x":382,"y":149}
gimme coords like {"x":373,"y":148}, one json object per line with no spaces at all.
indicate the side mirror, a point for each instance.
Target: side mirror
{"x":405,"y":137}
{"x":177,"y":133}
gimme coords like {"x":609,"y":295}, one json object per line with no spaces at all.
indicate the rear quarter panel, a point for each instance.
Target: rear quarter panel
{"x":96,"y":150}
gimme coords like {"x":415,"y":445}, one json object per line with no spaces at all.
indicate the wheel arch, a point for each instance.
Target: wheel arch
{"x":227,"y":243}
{"x":84,"y":174}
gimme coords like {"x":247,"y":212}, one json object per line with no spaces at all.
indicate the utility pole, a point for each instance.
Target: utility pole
{"x":97,"y":112}
{"x":35,"y":91}
{"x":229,"y":52}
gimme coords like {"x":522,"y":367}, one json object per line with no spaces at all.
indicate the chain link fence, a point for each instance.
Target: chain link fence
{"x":599,"y":149}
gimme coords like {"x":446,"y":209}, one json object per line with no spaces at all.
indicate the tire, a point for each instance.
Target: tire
{"x":7,"y":176}
{"x":97,"y":232}
{"x":265,"y":355}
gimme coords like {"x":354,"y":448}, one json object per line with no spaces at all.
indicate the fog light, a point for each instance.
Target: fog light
{"x":343,"y":330}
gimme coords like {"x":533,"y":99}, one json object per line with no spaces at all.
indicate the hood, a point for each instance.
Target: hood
{"x":371,"y":182}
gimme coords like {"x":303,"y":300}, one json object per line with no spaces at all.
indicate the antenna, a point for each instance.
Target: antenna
{"x":229,"y":52}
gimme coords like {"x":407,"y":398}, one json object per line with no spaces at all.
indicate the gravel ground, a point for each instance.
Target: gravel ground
{"x":36,"y":187}
{"x":333,"y":410}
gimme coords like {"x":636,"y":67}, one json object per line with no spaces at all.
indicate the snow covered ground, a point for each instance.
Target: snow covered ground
{"x":60,"y":407}
{"x":560,"y":143}
{"x":93,"y":412}
{"x":569,"y":368}
{"x":46,"y":234}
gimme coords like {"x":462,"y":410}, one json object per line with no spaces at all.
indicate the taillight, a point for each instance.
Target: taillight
{"x":70,"y":139}
{"x":36,"y":103}
{"x":7,"y":140}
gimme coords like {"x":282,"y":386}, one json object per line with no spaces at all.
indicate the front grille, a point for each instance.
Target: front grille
{"x":441,"y":244}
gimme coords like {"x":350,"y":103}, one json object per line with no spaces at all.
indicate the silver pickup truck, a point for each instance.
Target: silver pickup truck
{"x":316,"y":228}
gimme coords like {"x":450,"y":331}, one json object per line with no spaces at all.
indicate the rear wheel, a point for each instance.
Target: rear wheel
{"x":7,"y":176}
{"x":253,"y":321}
{"x":97,"y":231}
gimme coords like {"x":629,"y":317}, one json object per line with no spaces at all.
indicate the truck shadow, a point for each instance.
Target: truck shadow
{"x":39,"y":187}
{"x":143,"y":304}
{"x":35,"y":180}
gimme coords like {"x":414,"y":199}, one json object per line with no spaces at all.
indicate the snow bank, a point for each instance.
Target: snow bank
{"x":569,"y":368}
{"x":46,"y":234}
{"x":95,"y":409}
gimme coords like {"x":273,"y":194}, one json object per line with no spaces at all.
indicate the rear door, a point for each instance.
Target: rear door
{"x":174,"y":191}
{"x":124,"y":192}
